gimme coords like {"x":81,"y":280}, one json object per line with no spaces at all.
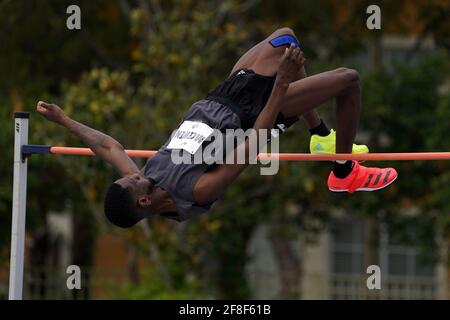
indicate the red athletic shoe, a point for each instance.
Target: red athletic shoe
{"x":362,"y":179}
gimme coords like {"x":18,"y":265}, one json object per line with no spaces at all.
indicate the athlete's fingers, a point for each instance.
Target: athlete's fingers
{"x":290,"y":50}
{"x":294,"y":54}
{"x":291,"y":59}
{"x":43,"y":104}
{"x":294,"y":57}
{"x":300,"y":58}
{"x":298,"y":54}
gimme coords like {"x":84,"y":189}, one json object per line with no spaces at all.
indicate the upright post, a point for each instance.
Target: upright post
{"x":18,"y":207}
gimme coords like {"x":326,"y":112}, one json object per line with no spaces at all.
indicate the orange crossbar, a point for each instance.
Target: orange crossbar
{"x":88,"y":152}
{"x":287,"y":156}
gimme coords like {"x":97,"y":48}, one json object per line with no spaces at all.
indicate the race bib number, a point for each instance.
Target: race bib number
{"x":190,"y":136}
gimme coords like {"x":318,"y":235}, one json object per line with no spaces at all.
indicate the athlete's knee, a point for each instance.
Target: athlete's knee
{"x":283,"y":37}
{"x":353,"y":75}
{"x":350,"y":76}
{"x":284,"y":30}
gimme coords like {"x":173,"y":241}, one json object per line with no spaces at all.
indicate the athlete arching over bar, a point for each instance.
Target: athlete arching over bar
{"x":267,"y":88}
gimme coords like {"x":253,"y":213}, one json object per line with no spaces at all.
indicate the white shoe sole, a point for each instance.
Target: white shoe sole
{"x":365,"y":189}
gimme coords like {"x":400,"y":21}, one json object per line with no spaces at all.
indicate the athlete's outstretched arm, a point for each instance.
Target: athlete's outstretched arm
{"x":104,"y":146}
{"x":213,"y":184}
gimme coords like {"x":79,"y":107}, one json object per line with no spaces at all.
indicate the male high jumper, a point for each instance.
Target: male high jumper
{"x":267,"y":89}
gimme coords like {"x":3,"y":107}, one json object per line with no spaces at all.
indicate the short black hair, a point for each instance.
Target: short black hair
{"x":120,"y":208}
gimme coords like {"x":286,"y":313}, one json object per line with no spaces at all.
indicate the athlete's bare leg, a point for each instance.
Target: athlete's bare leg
{"x":342,"y":84}
{"x":306,"y":94}
{"x":267,"y":59}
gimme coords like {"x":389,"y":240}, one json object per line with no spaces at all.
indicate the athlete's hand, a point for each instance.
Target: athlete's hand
{"x":290,"y":65}
{"x":51,"y":112}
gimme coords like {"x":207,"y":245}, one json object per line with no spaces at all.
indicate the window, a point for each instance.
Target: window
{"x":348,"y":245}
{"x":405,"y":273}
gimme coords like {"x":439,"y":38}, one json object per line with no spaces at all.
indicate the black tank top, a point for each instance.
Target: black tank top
{"x":234,"y":104}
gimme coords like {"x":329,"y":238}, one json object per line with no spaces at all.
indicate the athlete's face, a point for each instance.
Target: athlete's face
{"x":140,"y":187}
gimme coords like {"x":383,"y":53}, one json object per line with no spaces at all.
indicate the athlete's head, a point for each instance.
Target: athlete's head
{"x":129,"y":200}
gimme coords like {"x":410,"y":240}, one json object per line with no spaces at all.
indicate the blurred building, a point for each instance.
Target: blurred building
{"x":335,"y":266}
